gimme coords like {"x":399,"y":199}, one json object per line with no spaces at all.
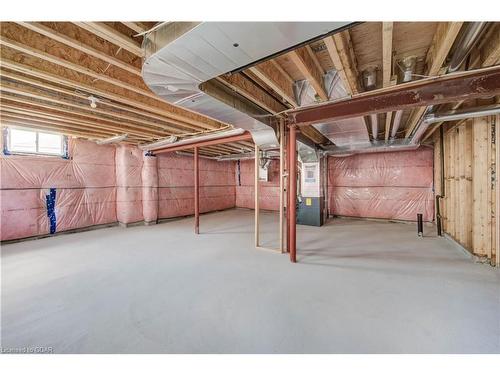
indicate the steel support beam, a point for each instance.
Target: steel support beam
{"x":293,"y":194}
{"x":475,"y":84}
{"x":196,"y":192}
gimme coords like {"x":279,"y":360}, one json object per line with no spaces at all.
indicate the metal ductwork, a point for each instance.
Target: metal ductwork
{"x":182,"y":59}
{"x":413,"y":142}
{"x":341,"y":132}
{"x":406,"y":72}
{"x":468,"y":37}
{"x":466,"y":40}
{"x":374,"y":125}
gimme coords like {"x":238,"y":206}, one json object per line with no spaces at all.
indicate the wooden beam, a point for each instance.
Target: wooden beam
{"x":387,"y":79}
{"x":113,"y":36}
{"x":211,"y":142}
{"x":44,"y":114}
{"x":71,"y":112}
{"x":302,"y":59}
{"x":314,"y":135}
{"x":245,"y":87}
{"x":497,"y":188}
{"x":9,"y":119}
{"x":135,"y":26}
{"x":268,"y":73}
{"x":444,"y":38}
{"x":64,"y":130}
{"x":75,"y":67}
{"x":149,"y":125}
{"x":490,"y":53}
{"x":77,"y":94}
{"x":172,"y":117}
{"x":387,"y":28}
{"x":68,"y":129}
{"x":339,"y":47}
{"x":61,"y":38}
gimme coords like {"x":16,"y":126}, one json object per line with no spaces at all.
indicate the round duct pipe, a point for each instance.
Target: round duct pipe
{"x":470,"y":34}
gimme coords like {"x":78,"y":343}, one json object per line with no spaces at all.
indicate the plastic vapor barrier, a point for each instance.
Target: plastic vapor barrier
{"x":390,"y":185}
{"x":41,"y":195}
{"x":150,"y":189}
{"x":269,"y":190}
{"x":176,"y":185}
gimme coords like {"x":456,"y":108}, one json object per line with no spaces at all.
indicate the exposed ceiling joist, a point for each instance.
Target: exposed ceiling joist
{"x":490,"y":52}
{"x":307,"y":65}
{"x":75,"y":67}
{"x":245,"y":87}
{"x":172,"y":116}
{"x":387,"y":30}
{"x":113,"y":36}
{"x":135,"y":26}
{"x":79,"y":109}
{"x":339,"y":47}
{"x":282,"y":84}
{"x":49,"y":113}
{"x":444,"y":38}
{"x":80,"y":95}
{"x":61,"y":38}
{"x":67,"y":130}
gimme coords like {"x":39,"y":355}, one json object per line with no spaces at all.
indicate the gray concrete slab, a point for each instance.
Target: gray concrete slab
{"x":359,"y":287}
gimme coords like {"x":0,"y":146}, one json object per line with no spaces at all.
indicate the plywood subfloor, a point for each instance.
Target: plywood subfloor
{"x":360,"y":287}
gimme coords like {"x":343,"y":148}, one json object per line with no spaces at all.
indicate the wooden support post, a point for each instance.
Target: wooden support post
{"x":282,"y":170}
{"x":497,"y":176}
{"x":293,"y":193}
{"x":256,"y":193}
{"x":196,"y":192}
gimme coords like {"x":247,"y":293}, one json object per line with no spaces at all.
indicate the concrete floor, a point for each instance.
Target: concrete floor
{"x":360,"y":287}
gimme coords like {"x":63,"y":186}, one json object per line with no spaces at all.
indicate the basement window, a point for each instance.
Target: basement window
{"x":28,"y":141}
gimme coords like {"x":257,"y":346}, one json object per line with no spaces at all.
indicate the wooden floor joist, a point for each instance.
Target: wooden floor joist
{"x":156,"y":109}
{"x":59,"y":37}
{"x":113,"y":36}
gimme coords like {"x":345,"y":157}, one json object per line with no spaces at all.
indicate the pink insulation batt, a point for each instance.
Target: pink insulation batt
{"x":176,"y":185}
{"x":391,"y":185}
{"x":129,"y":160}
{"x":269,"y":191}
{"x":108,"y":183}
{"x":85,"y":190}
{"x":150,"y":188}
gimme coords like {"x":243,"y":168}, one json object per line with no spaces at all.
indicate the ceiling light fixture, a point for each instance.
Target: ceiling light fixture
{"x":93,"y":101}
